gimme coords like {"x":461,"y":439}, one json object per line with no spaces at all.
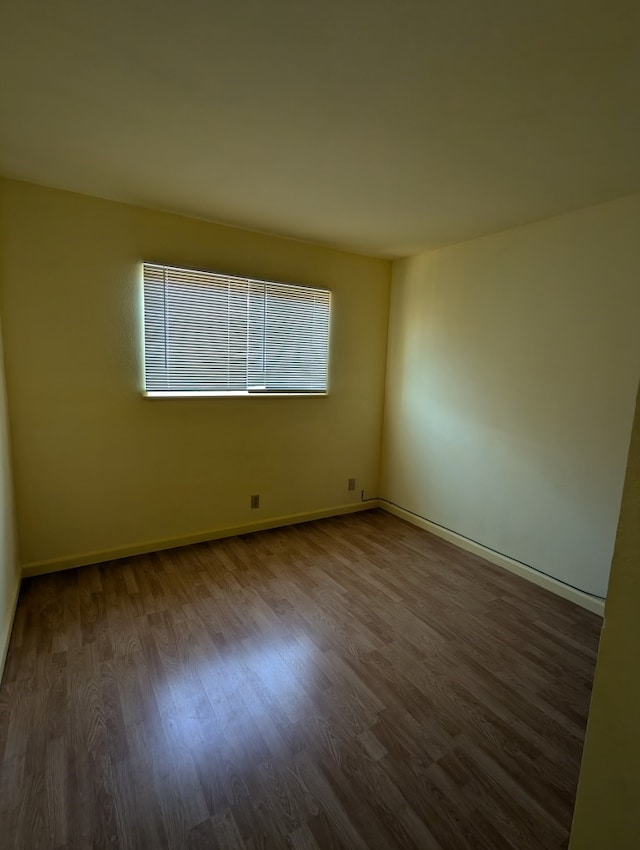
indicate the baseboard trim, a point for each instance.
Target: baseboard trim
{"x":67,"y":563}
{"x":585,"y":600}
{"x":6,"y":635}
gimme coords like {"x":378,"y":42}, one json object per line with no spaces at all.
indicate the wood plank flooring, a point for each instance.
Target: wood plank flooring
{"x":347,"y":683}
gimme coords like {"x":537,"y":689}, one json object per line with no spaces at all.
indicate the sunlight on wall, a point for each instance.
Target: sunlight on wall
{"x":512,"y":368}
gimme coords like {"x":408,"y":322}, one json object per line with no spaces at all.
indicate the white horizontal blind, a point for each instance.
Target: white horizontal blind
{"x":207,"y":332}
{"x":295,"y":338}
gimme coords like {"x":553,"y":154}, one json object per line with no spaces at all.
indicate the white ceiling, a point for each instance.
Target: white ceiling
{"x":381,"y":126}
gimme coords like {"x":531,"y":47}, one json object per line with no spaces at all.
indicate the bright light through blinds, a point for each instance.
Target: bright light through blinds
{"x":213,"y":333}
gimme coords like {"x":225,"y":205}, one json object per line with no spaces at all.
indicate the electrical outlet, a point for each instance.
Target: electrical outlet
{"x":351,"y":484}
{"x":255,"y":502}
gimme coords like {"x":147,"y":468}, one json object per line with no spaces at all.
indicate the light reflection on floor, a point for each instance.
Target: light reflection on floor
{"x":229,"y":701}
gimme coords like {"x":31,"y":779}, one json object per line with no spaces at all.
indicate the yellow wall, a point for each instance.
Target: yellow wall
{"x":9,"y":570}
{"x":607,"y":813}
{"x":97,"y":466}
{"x":512,"y":370}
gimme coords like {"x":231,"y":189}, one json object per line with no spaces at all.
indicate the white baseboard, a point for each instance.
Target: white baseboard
{"x":6,"y":633}
{"x":66,"y":563}
{"x":585,"y":600}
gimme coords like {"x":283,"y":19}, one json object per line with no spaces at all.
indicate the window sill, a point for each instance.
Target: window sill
{"x":235,"y":394}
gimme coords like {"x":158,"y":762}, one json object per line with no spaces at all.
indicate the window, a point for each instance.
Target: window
{"x":207,"y":333}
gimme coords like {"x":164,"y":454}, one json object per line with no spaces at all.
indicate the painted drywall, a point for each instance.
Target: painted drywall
{"x":9,"y":570}
{"x":513,"y":362}
{"x":97,"y":466}
{"x":607,"y":812}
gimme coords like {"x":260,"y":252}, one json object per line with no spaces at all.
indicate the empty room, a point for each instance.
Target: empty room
{"x":320,"y":456}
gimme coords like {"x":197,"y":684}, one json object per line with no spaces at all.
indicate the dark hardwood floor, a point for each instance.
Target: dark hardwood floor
{"x":347,"y":683}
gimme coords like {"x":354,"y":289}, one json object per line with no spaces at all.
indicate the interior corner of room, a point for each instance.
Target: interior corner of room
{"x":466,"y":187}
{"x":484,"y":390}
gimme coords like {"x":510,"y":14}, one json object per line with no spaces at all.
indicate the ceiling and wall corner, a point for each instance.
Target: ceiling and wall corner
{"x":382,"y":127}
{"x":378,"y":126}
